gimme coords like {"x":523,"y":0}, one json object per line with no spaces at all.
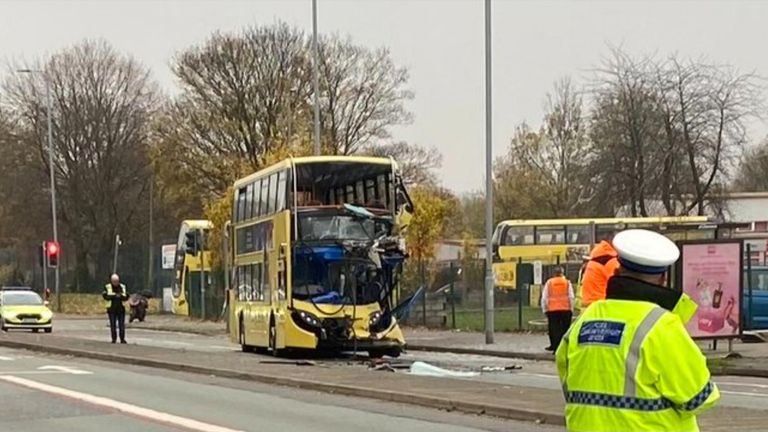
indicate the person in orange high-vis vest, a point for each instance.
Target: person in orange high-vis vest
{"x":557,"y":304}
{"x":602,"y":264}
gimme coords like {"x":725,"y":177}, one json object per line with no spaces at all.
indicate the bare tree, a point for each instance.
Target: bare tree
{"x":751,"y":176}
{"x":362,"y":94}
{"x":664,"y":132}
{"x":103,"y":103}
{"x":558,"y":152}
{"x":625,"y":131}
{"x":417,"y":163}
{"x":705,"y":107}
{"x":240,"y":96}
{"x":246,"y":96}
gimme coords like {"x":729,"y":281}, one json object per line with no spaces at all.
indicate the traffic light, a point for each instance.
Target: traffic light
{"x":190,"y":243}
{"x":52,"y":251}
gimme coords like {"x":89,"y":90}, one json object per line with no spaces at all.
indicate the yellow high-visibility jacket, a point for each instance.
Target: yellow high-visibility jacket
{"x":630,"y":365}
{"x":109,"y":293}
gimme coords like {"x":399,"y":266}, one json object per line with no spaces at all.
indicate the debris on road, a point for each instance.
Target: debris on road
{"x":289,"y":362}
{"x":426,"y":369}
{"x":500,"y":368}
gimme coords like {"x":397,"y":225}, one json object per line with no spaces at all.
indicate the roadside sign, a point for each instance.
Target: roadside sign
{"x":711,"y":272}
{"x":169,"y":255}
{"x":537,"y":272}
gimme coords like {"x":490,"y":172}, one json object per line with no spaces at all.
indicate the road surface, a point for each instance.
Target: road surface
{"x":751,"y":393}
{"x":44,"y":393}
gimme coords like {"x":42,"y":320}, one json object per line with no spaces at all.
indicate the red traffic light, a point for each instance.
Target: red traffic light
{"x":52,"y":248}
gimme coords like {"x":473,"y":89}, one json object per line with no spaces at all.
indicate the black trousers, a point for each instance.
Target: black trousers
{"x":557,"y":324}
{"x":116,"y":319}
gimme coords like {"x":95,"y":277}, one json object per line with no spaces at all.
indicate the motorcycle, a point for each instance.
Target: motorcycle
{"x":139,"y":303}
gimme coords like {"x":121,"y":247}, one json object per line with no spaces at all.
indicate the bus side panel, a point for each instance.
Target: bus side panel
{"x":234,"y":316}
{"x":280,"y":271}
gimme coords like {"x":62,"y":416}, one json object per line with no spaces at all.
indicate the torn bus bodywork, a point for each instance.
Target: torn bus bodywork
{"x":346,"y":267}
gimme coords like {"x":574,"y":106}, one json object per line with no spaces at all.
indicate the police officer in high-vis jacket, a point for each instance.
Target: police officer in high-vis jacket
{"x":114,"y":295}
{"x":628,"y":363}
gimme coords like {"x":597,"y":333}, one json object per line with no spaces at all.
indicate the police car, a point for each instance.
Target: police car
{"x":22,"y":308}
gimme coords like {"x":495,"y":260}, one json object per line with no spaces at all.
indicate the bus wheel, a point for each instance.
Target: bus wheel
{"x":241,"y":337}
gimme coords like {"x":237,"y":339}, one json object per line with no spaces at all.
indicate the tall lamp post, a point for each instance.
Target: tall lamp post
{"x":316,"y":77}
{"x":49,"y":109}
{"x":489,"y":323}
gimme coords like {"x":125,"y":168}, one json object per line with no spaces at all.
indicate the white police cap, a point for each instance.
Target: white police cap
{"x":644,"y":251}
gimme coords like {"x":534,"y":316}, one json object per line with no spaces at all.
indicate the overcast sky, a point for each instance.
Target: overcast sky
{"x":441,"y":42}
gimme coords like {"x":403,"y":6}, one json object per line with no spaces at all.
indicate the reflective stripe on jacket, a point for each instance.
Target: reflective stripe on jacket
{"x":557,"y":294}
{"x":602,"y":265}
{"x":631,"y":366}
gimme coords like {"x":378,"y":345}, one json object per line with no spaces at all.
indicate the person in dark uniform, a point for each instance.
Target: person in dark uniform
{"x":114,"y":295}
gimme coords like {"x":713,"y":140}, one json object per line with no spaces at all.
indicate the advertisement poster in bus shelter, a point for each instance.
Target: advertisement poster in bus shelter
{"x":710,"y":272}
{"x":168,"y":256}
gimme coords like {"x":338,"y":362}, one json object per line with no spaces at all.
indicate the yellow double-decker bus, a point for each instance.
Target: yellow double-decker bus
{"x":193,"y":261}
{"x":316,"y":255}
{"x":560,"y":241}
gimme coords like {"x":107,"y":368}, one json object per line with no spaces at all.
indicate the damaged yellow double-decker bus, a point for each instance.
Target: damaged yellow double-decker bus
{"x":316,"y":256}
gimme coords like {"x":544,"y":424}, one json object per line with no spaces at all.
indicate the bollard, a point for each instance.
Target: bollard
{"x":749,"y":286}
{"x":520,"y":308}
{"x":453,"y":299}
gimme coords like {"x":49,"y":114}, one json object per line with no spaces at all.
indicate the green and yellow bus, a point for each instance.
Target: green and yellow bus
{"x":316,"y":255}
{"x":560,"y":241}
{"x":187,"y":292}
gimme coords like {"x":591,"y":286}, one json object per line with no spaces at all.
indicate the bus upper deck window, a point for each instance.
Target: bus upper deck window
{"x":241,"y":202}
{"x":518,"y":235}
{"x":604,"y":232}
{"x":550,"y":235}
{"x":578,"y":234}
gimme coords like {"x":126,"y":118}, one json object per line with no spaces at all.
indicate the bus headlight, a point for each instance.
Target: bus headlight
{"x":374,"y":318}
{"x":306,"y":319}
{"x":378,"y":321}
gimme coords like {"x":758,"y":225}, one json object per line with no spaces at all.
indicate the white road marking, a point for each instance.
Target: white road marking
{"x":3,"y":358}
{"x":123,"y":407}
{"x":36,"y":372}
{"x":65,"y":369}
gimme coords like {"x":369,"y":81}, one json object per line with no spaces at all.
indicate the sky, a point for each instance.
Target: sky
{"x":535,"y":43}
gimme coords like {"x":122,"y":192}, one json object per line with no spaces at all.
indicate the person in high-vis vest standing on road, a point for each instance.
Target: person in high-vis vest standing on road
{"x":114,"y":295}
{"x":557,"y":304}
{"x":628,"y":363}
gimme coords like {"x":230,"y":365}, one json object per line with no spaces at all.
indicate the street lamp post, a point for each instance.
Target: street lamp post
{"x":49,"y":109}
{"x":489,"y":324}
{"x":316,"y":77}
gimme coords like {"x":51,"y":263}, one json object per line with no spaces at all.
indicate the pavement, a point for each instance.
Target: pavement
{"x":42,"y":392}
{"x":517,"y":346}
{"x":530,"y":394}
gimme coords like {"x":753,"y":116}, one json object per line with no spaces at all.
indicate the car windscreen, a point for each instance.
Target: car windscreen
{"x":21,"y":299}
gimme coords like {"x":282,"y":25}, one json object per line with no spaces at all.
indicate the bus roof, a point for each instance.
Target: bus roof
{"x":198,"y":223}
{"x":308,"y":160}
{"x":608,"y":221}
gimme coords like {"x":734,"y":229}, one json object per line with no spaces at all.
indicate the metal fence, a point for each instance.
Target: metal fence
{"x":454,"y":298}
